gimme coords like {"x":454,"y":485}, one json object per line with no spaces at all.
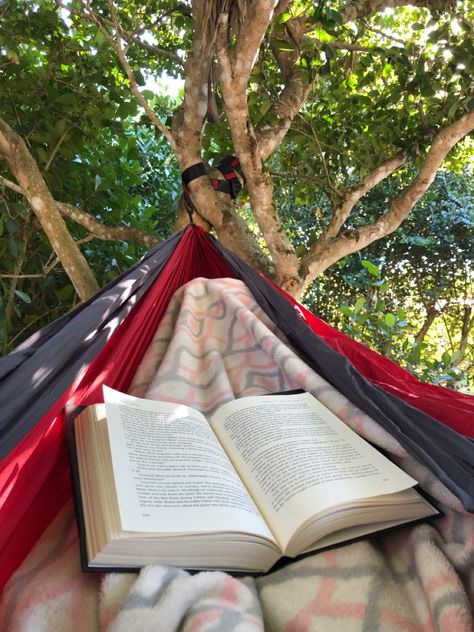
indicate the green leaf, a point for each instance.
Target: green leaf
{"x":67,"y":99}
{"x":322,"y":35}
{"x":24,"y":297}
{"x":335,"y":16}
{"x":347,"y":311}
{"x":60,"y":126}
{"x":11,"y":225}
{"x":13,"y":248}
{"x":446,"y":358}
{"x":283,"y":45}
{"x":283,"y":17}
{"x":139,"y":78}
{"x":42,"y":155}
{"x":265,"y":106}
{"x":453,"y":109}
{"x":371,"y":267}
{"x":359,"y":304}
{"x":13,"y":56}
{"x":457,"y":355}
{"x":148,"y":94}
{"x":390,"y":320}
{"x":65,"y":293}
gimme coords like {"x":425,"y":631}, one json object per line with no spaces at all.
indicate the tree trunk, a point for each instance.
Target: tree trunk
{"x":431,"y":314}
{"x":29,"y":178}
{"x":467,"y":324}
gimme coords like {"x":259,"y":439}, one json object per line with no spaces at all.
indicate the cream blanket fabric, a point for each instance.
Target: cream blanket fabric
{"x":215,"y":344}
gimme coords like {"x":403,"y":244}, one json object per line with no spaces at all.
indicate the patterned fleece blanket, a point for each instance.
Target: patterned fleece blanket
{"x":215,"y":344}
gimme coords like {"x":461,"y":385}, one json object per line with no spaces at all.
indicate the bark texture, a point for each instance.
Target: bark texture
{"x":30,"y":180}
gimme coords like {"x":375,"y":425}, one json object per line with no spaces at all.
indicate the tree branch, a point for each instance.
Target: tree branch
{"x":234,"y":93}
{"x":116,"y":44}
{"x":356,"y":9}
{"x":188,"y":121}
{"x":22,"y":276}
{"x":252,"y":31}
{"x":96,"y":228}
{"x":384,"y":34}
{"x":328,"y":250}
{"x":294,"y":93}
{"x":355,"y":193}
{"x":292,"y":97}
{"x":29,"y":178}
{"x":106,"y":233}
{"x":11,"y":185}
{"x":57,"y":147}
{"x":156,"y":50}
{"x":346,"y":46}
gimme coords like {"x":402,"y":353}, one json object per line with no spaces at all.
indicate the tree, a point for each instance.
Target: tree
{"x":353,"y":91}
{"x":410,"y":296}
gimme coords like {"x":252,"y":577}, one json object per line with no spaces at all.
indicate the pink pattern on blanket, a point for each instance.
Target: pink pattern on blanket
{"x":215,"y":344}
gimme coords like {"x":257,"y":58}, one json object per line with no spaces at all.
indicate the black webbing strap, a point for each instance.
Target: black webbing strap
{"x":230,"y":168}
{"x":193,"y":172}
{"x":187,"y":176}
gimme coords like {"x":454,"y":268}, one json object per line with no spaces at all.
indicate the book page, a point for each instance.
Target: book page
{"x":298,"y":459}
{"x":171,"y":473}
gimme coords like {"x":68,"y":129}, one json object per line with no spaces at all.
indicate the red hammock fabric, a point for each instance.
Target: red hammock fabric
{"x":453,"y":408}
{"x":34,"y":478}
{"x":38,"y":467}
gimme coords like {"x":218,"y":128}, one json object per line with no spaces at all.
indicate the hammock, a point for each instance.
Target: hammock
{"x":104,"y":340}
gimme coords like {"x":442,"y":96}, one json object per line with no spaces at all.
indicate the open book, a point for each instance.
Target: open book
{"x":264,"y":477}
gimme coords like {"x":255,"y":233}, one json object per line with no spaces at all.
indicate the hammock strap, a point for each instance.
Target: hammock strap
{"x":230,"y":168}
{"x":232,"y":184}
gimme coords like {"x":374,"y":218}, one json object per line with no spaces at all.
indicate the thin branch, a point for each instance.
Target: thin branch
{"x":323,"y":144}
{"x":355,"y":193}
{"x":323,"y":159}
{"x":85,"y":240}
{"x":384,"y":34}
{"x":19,"y":262}
{"x":50,"y":266}
{"x":11,"y":185}
{"x":119,"y":49}
{"x":156,"y":50}
{"x":355,"y":9}
{"x":448,"y":332}
{"x":96,"y":228}
{"x":346,"y":46}
{"x":298,"y":176}
{"x":131,"y":77}
{"x":329,"y":249}
{"x":11,"y":343}
{"x":57,"y":147}
{"x":106,"y":233}
{"x":22,"y":276}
